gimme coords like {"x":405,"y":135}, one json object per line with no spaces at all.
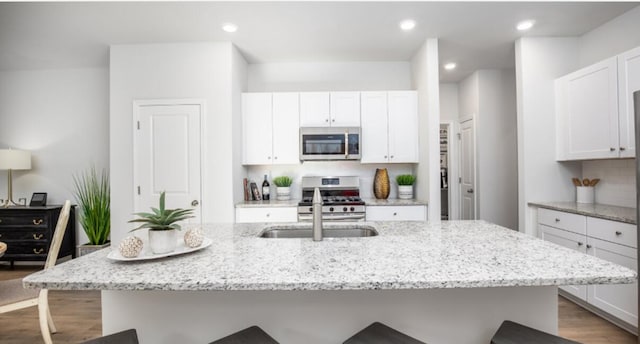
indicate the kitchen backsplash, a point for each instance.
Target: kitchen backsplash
{"x":366,"y":173}
{"x":617,"y":184}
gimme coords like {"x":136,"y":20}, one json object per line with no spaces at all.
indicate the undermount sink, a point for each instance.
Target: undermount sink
{"x":347,"y":231}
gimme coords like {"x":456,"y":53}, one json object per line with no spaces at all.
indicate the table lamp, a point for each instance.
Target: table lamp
{"x":13,"y":159}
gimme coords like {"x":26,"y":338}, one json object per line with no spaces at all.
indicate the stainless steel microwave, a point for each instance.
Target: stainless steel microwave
{"x":330,"y":143}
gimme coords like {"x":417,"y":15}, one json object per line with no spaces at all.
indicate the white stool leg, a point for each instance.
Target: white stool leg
{"x":44,"y":316}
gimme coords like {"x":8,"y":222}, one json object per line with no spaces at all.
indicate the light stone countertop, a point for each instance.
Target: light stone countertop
{"x":267,"y":204}
{"x":405,"y":255}
{"x":603,"y":211}
{"x":392,"y":201}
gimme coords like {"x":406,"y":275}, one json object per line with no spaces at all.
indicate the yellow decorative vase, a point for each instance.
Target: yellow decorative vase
{"x":381,"y":185}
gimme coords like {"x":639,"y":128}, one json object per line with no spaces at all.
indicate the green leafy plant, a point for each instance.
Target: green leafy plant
{"x":162,"y":219}
{"x":92,"y":192}
{"x":405,"y":179}
{"x":282,"y":181}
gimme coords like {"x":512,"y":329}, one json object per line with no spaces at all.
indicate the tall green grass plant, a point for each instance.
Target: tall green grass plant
{"x":92,"y":192}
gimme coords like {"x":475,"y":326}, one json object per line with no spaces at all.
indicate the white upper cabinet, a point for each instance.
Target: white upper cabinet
{"x":324,"y":109}
{"x":403,"y":126}
{"x":256,"y":128}
{"x":374,"y":130}
{"x":628,"y":82}
{"x":270,"y":128}
{"x":594,"y":109}
{"x":588,"y":112}
{"x":389,"y":127}
{"x":345,"y":109}
{"x":286,"y":126}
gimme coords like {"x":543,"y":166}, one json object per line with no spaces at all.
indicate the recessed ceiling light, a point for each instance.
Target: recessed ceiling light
{"x":229,"y":27}
{"x":407,"y":25}
{"x":525,"y":25}
{"x":450,"y":66}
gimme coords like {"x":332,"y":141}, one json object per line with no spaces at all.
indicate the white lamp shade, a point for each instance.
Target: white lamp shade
{"x":14,"y":159}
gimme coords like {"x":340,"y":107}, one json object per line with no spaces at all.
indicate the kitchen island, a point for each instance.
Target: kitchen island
{"x":453,"y":282}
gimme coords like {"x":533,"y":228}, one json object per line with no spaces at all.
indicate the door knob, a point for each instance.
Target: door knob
{"x":195,"y":203}
{"x":470,"y":191}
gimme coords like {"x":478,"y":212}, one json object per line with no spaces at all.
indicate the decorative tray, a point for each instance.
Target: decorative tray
{"x":146,"y":253}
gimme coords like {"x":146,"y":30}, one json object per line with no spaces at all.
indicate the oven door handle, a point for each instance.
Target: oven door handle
{"x":343,"y":217}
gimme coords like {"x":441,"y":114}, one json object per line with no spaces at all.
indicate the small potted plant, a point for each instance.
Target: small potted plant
{"x":283,"y":190}
{"x":92,"y":192}
{"x":405,"y":185}
{"x":162,"y":226}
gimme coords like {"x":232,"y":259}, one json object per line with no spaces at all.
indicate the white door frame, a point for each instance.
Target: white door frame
{"x":475,"y":167}
{"x":452,"y":168}
{"x":137,"y":105}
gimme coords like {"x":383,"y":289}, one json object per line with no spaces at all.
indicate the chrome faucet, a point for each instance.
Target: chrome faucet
{"x":317,"y":215}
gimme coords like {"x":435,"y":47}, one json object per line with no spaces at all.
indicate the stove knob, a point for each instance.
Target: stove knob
{"x":352,"y":209}
{"x":331,"y":209}
{"x":344,"y":209}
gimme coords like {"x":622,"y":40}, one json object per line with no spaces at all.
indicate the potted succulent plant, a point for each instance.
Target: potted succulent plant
{"x":405,"y":185}
{"x":283,"y":190}
{"x":92,"y":192}
{"x":162,"y":225}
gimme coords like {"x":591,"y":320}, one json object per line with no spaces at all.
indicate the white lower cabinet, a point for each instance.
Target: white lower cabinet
{"x":266,"y":214}
{"x":619,"y":300}
{"x":609,"y":240}
{"x":569,"y":240}
{"x":396,"y":213}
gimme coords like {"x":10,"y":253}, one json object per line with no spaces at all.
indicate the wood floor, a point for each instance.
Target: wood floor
{"x":77,"y":317}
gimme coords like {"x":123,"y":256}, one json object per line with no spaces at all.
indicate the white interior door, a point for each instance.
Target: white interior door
{"x":467,"y":171}
{"x":167,"y":156}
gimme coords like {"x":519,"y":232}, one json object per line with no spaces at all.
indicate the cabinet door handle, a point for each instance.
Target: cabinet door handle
{"x":37,"y":222}
{"x":38,"y":251}
{"x":268,"y":214}
{"x":394,"y":214}
{"x":326,"y":120}
{"x":385,"y":156}
{"x":613,"y":149}
{"x":38,"y":236}
{"x":622,"y":149}
{"x":333,"y":120}
{"x":557,"y":220}
{"x":580,"y":244}
{"x":588,"y":246}
{"x":275,"y":158}
{"x":618,"y":233}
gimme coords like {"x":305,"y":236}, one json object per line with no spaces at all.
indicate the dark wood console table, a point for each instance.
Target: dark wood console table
{"x":28,"y":231}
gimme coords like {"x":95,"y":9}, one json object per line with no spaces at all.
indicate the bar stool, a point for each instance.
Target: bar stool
{"x":250,"y":335}
{"x":378,"y":333}
{"x":124,"y":337}
{"x":514,"y":333}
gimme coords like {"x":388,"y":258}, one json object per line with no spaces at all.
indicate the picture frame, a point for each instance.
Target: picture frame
{"x":38,"y":199}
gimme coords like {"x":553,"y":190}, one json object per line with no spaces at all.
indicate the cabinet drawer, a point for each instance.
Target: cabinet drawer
{"x":266,"y":214}
{"x":28,"y":234}
{"x":27,"y":248}
{"x":613,"y":231}
{"x":567,"y":221}
{"x":397,"y":213}
{"x":24,"y":220}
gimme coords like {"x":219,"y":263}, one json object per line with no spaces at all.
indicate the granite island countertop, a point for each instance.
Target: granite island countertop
{"x":603,"y":211}
{"x":405,"y":255}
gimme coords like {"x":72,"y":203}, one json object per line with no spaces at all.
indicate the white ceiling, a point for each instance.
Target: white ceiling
{"x":475,"y":35}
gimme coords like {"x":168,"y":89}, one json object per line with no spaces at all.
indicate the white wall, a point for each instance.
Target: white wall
{"x":610,"y":39}
{"x":617,"y":181}
{"x":468,"y":102}
{"x":497,"y":161}
{"x":157,"y":71}
{"x":449,"y":102}
{"x":539,"y":61}
{"x":61,"y":116}
{"x":425,"y":79}
{"x":239,"y":85}
{"x":329,"y":76}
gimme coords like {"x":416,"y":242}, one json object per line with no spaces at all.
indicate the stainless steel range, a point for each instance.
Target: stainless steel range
{"x":340,"y":199}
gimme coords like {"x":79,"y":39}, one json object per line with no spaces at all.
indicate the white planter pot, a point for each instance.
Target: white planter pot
{"x":163,"y":241}
{"x":283,"y":193}
{"x":405,"y":191}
